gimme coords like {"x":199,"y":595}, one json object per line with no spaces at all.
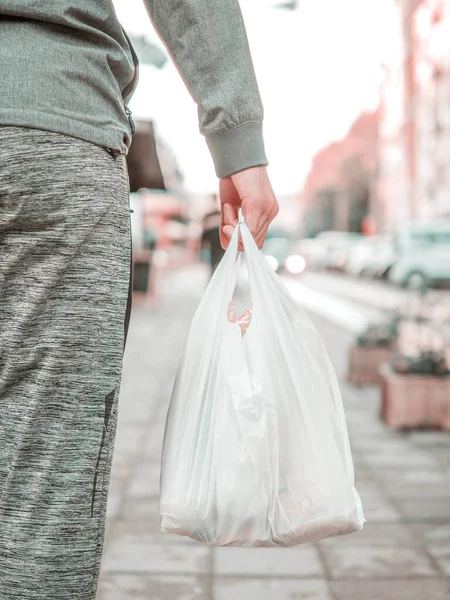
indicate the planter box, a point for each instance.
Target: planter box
{"x":365,"y":364}
{"x":410,"y":401}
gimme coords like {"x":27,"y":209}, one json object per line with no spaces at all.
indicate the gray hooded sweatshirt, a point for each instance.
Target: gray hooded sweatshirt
{"x":68,"y":66}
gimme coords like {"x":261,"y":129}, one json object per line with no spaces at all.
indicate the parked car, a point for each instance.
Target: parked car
{"x":335,"y":249}
{"x":424,"y":232}
{"x":361,"y":254}
{"x":423,"y":248}
{"x":424,"y":267}
{"x":311,"y":250}
{"x":384,"y":254}
{"x":281,"y":254}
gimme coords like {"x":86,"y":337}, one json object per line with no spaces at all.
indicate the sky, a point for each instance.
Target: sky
{"x":317,"y":68}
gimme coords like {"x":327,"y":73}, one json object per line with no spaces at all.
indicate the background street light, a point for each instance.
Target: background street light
{"x":289,"y":4}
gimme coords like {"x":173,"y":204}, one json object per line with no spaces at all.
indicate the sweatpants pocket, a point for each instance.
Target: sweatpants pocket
{"x":102,"y":471}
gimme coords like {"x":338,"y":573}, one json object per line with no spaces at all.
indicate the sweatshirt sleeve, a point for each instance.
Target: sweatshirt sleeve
{"x":208,"y":44}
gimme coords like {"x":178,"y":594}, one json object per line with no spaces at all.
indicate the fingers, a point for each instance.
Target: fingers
{"x":230,"y":215}
{"x":258,"y":226}
{"x":258,"y":219}
{"x":251,"y":190}
{"x":261,"y":237}
{"x":228,"y":231}
{"x":229,"y":220}
{"x":230,"y":202}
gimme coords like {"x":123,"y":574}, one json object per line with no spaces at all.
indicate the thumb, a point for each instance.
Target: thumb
{"x":228,"y":230}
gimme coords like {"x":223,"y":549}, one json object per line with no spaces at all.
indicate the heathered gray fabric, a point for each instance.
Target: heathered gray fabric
{"x":64,"y":282}
{"x":67,"y":66}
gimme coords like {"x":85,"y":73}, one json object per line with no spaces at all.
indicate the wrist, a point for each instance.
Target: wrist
{"x":237,"y":149}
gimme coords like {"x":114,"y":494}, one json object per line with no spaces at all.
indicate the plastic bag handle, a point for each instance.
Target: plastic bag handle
{"x":256,"y":262}
{"x":231,"y":264}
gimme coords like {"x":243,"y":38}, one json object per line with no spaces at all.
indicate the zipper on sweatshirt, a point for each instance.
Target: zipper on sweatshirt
{"x":130,"y":119}
{"x":113,"y":151}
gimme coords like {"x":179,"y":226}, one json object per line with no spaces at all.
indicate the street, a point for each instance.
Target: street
{"x":403,"y":552}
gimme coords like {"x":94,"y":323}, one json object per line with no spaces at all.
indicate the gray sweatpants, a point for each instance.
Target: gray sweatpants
{"x":65,"y":252}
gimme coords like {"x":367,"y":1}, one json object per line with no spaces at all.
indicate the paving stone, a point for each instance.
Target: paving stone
{"x":441,"y":455}
{"x":141,"y":496}
{"x":369,"y":488}
{"x":377,"y":508}
{"x":424,"y":509}
{"x":436,"y":539}
{"x":444,"y":562}
{"x":365,"y":429}
{"x":412,"y":476}
{"x":432,"y":589}
{"x":122,"y":465}
{"x":430,"y":439}
{"x":128,"y":438}
{"x":300,"y":561}
{"x":420,"y":491}
{"x":358,"y":461}
{"x":140,"y":508}
{"x":152,"y":587}
{"x":270,"y":589}
{"x":362,"y":474}
{"x":377,"y":535}
{"x":367,"y":445}
{"x":433,"y":534}
{"x":400,"y":459}
{"x":346,"y":562}
{"x":109,"y":532}
{"x":153,"y":445}
{"x":132,"y":548}
{"x":113,"y":505}
{"x":144,"y":480}
{"x":150,"y":530}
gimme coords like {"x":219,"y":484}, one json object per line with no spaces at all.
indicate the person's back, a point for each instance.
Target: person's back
{"x":67,"y":67}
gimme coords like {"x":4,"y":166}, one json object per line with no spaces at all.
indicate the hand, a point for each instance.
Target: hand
{"x":251,"y":191}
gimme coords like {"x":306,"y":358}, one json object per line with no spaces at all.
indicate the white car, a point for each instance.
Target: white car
{"x":363,"y":254}
{"x":423,"y":253}
{"x":426,"y":266}
{"x":335,"y":248}
{"x":381,"y":259}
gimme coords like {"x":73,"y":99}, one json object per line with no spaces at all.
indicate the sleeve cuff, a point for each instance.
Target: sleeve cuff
{"x":237,"y":149}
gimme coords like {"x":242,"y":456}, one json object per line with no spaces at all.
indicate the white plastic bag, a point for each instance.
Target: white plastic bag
{"x":256,"y":449}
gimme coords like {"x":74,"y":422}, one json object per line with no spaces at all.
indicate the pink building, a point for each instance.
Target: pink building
{"x":414,"y":130}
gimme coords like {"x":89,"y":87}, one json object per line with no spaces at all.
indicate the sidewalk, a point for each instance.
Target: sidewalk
{"x":403,"y":553}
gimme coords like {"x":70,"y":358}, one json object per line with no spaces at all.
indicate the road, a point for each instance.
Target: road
{"x":353,"y":303}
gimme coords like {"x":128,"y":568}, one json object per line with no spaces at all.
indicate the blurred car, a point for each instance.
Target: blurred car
{"x":425,"y":267}
{"x":361,"y":254}
{"x":423,"y":248}
{"x":281,"y":254}
{"x":384,"y":254}
{"x":335,"y":249}
{"x":424,"y":232}
{"x":310,"y":249}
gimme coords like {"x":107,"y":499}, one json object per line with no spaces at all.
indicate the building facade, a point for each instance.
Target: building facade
{"x":413,"y":175}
